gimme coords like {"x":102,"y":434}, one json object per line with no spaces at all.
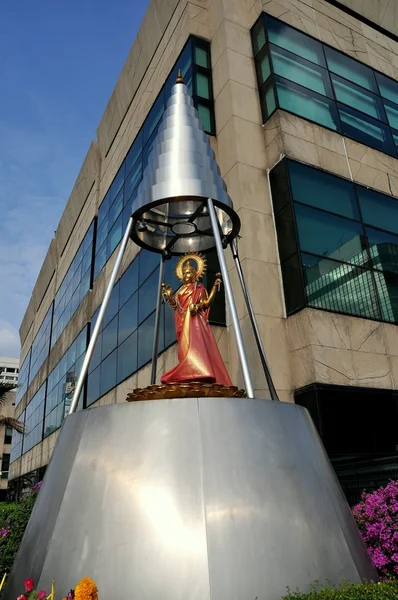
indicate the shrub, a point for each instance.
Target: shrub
{"x":377,"y":519}
{"x":386,"y":590}
{"x":14,"y":517}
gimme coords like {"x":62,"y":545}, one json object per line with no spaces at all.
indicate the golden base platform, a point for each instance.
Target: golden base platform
{"x":194,"y":389}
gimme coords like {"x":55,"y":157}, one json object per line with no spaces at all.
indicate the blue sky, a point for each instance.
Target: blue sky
{"x":59,"y":62}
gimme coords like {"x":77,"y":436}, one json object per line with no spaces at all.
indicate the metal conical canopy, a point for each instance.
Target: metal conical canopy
{"x":170,"y":213}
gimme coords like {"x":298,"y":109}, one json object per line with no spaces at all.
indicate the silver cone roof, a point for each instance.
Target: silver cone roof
{"x":170,"y":212}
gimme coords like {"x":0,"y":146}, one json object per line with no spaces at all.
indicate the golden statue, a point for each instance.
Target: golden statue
{"x":198,"y":354}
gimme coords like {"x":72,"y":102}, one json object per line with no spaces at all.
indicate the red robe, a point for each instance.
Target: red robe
{"x":198,"y":354}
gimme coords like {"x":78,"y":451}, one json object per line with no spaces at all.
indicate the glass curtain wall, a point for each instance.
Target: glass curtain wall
{"x":338,"y":243}
{"x":301,"y":75}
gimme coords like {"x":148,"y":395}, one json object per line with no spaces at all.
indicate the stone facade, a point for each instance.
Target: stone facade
{"x":7,"y":410}
{"x":308,"y":347}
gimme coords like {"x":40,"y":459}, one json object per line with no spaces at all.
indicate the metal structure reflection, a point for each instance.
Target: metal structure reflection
{"x":174,"y":498}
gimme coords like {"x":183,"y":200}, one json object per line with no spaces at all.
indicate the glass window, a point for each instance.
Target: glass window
{"x":127,"y":357}
{"x":258,"y":36}
{"x":284,"y":221}
{"x":368,"y":131}
{"x":205,"y":117}
{"x":202,"y":57}
{"x":368,"y":287}
{"x":117,"y":184}
{"x":96,"y":357}
{"x":145,"y":340}
{"x":392,"y":113}
{"x":300,"y":71}
{"x":378,"y":209}
{"x":330,"y":236}
{"x":350,"y":69}
{"x":128,"y":318}
{"x":85,"y":284}
{"x":148,"y":263}
{"x":86,"y":263}
{"x":148,"y":147}
{"x":100,"y":259}
{"x":203,"y":85}
{"x":388,"y":87}
{"x":147,"y":296}
{"x":358,"y":98}
{"x":103,"y":209}
{"x":155,"y":114}
{"x":387,"y":289}
{"x":113,"y":305}
{"x":280,"y":185}
{"x":267,"y":98}
{"x":282,"y":35}
{"x":383,"y":248}
{"x":263,"y":67}
{"x":188,"y":80}
{"x":133,"y":179}
{"x":128,"y":283}
{"x":134,"y":152}
{"x":169,"y":272}
{"x":184,"y":63}
{"x":339,"y":287}
{"x":93,"y":386}
{"x":114,"y":237}
{"x":127,"y":211}
{"x":293,"y":284}
{"x":109,"y":338}
{"x":309,"y":105}
{"x":322,"y":190}
{"x":108,"y":373}
{"x":169,"y":327}
{"x":115,"y":209}
{"x":8,"y":435}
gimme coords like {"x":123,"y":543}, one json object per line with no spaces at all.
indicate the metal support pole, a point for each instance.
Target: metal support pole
{"x":100,"y":318}
{"x":256,"y":331}
{"x":231,"y":301}
{"x":157,"y":322}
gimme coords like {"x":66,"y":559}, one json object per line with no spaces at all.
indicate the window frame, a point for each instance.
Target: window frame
{"x":368,"y":267}
{"x":262,"y":22}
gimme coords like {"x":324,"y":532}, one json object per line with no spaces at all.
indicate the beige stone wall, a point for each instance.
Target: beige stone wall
{"x":382,"y":12}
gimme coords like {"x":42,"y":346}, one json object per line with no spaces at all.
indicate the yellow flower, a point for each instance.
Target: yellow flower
{"x":86,"y":590}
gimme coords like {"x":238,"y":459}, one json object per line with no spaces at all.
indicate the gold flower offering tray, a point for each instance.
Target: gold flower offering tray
{"x":195,"y":389}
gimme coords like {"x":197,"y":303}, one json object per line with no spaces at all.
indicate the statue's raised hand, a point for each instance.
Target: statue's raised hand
{"x":167,"y":292}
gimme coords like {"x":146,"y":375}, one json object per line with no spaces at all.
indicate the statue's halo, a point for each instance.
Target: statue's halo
{"x":200,"y":264}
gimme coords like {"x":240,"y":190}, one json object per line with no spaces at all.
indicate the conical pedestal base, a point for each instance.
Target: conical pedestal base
{"x":190,"y":499}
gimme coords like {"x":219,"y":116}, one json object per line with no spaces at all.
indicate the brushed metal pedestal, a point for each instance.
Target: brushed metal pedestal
{"x":190,"y":499}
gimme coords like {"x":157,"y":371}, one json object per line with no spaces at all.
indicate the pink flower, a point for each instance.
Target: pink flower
{"x":23,"y":597}
{"x":41,"y":594}
{"x":377,"y":519}
{"x":29,"y":585}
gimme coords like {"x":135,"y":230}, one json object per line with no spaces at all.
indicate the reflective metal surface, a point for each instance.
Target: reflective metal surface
{"x":253,"y":321}
{"x":170,"y":212}
{"x":231,"y":302}
{"x":190,"y":499}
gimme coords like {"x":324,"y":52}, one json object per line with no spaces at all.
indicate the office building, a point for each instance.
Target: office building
{"x":9,"y":369}
{"x":300,"y":102}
